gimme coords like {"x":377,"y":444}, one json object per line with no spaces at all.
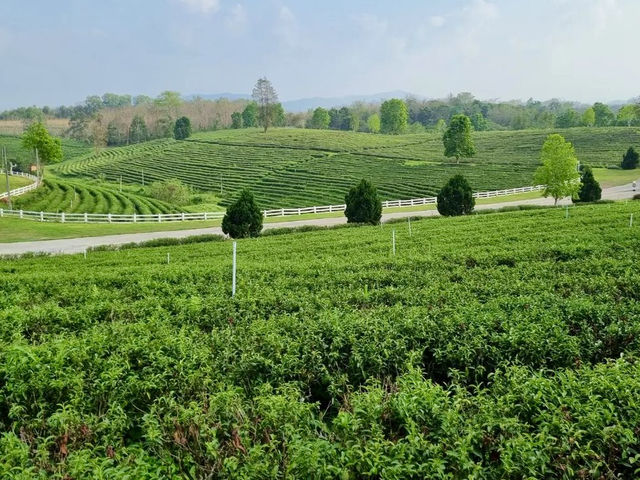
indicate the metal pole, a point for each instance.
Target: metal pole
{"x":631,"y":220}
{"x":168,"y":258}
{"x":38,"y":167}
{"x":233,"y":272}
{"x":409,"y":219}
{"x":393,"y":241}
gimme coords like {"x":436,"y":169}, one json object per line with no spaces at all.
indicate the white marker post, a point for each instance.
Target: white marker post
{"x":631,"y":220}
{"x":85,"y":253}
{"x":409,"y":219}
{"x":566,"y":211}
{"x":393,"y":241}
{"x":168,"y":258}
{"x":233,"y":272}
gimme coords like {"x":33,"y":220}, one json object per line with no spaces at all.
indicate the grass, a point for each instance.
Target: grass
{"x":14,"y":182}
{"x":609,"y":177}
{"x":296,"y":168}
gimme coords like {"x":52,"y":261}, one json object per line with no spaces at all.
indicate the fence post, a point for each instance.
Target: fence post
{"x":159,"y":218}
{"x":42,"y":216}
{"x":1,"y":212}
{"x":109,"y":217}
{"x":233,"y":272}
{"x":205,"y":215}
{"x":264,"y":212}
{"x":282,"y":212}
{"x":61,"y":217}
{"x":315,"y":209}
{"x":330,"y":208}
{"x":183,"y":216}
{"x":86,"y":217}
{"x":134,"y":217}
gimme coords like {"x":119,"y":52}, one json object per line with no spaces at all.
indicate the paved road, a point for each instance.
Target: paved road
{"x":79,"y":245}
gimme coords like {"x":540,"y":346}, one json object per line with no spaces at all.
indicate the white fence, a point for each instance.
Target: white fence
{"x":180,"y":217}
{"x":19,"y":191}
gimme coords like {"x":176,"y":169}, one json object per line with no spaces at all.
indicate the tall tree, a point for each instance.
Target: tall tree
{"x":603,"y":115}
{"x":182,"y":128}
{"x":394,"y":116}
{"x":250,"y":115}
{"x":567,"y":119}
{"x":37,"y":136}
{"x":373,"y":123}
{"x":559,"y":169}
{"x":629,"y":115}
{"x":589,"y":117}
{"x":457,"y":138}
{"x":266,"y":98}
{"x":320,"y":119}
{"x":236,"y":120}
{"x":138,"y":131}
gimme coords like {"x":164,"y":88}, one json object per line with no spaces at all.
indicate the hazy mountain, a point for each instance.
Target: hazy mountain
{"x":304,"y":104}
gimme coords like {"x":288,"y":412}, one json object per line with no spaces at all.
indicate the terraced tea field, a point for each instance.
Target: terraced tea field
{"x":81,"y":197}
{"x":291,"y":168}
{"x":492,"y":346}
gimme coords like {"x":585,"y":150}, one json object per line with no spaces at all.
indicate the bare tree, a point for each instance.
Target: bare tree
{"x":266,"y":97}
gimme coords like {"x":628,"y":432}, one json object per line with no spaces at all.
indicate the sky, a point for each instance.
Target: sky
{"x":59,"y":52}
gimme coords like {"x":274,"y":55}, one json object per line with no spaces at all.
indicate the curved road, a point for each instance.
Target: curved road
{"x":79,"y":245}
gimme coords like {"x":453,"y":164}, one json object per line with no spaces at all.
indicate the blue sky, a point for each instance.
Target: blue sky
{"x":58,"y":52}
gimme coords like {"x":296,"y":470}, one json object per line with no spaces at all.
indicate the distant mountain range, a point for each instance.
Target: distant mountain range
{"x":304,"y":104}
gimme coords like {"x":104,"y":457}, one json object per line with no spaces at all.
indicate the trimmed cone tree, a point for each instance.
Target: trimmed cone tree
{"x":590,"y":190}
{"x":363,"y":204}
{"x":182,"y":128}
{"x":630,"y":159}
{"x":243,"y":218}
{"x":456,"y":197}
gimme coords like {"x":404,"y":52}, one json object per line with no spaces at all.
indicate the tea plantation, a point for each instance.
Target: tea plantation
{"x":492,"y":346}
{"x":296,"y":168}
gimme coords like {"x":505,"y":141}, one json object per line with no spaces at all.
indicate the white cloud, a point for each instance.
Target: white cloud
{"x":236,"y":21}
{"x":287,"y":27}
{"x":372,"y":24}
{"x":202,"y":6}
{"x":437,"y":21}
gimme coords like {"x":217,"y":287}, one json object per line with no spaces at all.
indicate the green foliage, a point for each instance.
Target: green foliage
{"x":456,"y":197}
{"x":559,"y":170}
{"x":457,"y":138}
{"x":630,"y":159}
{"x":171,"y":191}
{"x":236,"y":120}
{"x":373,"y":123}
{"x":567,"y":119}
{"x":479,"y":122}
{"x":301,"y":167}
{"x":182,"y":128}
{"x":629,"y":115}
{"x":590,"y":190}
{"x":394,"y":116}
{"x":138,"y":132}
{"x":250,"y":115}
{"x":363,"y":204}
{"x":243,"y":218}
{"x":320,"y":119}
{"x":589,"y":117}
{"x":36,"y":136}
{"x":603,"y":116}
{"x":486,"y":348}
{"x":89,"y":197}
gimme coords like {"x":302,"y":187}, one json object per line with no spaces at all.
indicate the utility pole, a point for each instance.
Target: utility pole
{"x":6,"y":172}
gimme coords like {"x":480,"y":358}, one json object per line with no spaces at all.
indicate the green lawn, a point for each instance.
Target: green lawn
{"x":14,"y":182}
{"x":611,"y":178}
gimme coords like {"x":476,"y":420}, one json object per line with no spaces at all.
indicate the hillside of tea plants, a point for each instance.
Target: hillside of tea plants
{"x":490,"y":346}
{"x":80,"y":197}
{"x":296,"y":168}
